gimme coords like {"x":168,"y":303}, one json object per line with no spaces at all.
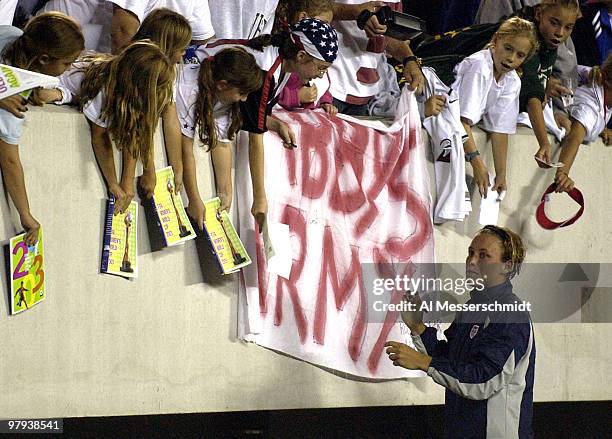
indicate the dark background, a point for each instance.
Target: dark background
{"x":551,"y":420}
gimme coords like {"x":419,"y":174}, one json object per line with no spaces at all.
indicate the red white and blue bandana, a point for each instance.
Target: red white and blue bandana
{"x":317,"y":37}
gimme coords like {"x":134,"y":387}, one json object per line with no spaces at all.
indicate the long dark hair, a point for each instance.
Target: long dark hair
{"x":240,"y":70}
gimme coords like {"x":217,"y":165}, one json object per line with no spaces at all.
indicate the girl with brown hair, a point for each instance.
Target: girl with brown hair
{"x":122,"y":98}
{"x":49,"y":44}
{"x":208,"y":98}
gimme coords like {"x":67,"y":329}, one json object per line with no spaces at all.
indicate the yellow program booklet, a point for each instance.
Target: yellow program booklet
{"x":120,"y":241}
{"x":224,"y":240}
{"x":172,"y":219}
{"x":27,"y":275}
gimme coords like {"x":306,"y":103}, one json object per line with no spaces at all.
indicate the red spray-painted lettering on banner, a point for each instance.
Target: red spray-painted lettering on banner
{"x":343,"y":167}
{"x":351,"y":282}
{"x":295,"y":219}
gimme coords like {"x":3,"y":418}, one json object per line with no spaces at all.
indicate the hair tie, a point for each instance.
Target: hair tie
{"x":210,"y":59}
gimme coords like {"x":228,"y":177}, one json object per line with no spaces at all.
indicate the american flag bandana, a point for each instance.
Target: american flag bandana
{"x":317,"y":37}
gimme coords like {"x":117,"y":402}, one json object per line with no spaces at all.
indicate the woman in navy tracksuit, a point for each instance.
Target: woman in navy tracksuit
{"x":488,"y":359}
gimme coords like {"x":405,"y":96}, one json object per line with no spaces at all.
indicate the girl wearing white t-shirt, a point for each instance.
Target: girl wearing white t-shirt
{"x":172,"y":33}
{"x":589,"y":114}
{"x":49,"y":44}
{"x":489,"y":89}
{"x":144,"y":76}
{"x":208,"y":97}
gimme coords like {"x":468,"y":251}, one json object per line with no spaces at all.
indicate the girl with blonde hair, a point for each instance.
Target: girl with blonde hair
{"x":554,"y":21}
{"x":172,"y":33}
{"x":122,"y":98}
{"x":482,"y":88}
{"x":48,"y":44}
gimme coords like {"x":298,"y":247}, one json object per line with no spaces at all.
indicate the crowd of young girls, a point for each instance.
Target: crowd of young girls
{"x":212,"y":68}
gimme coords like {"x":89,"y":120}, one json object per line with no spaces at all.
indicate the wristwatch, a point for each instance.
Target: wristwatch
{"x":469,"y":156}
{"x":411,"y":58}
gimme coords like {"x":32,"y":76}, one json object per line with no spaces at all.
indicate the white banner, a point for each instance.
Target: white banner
{"x":350,"y":193}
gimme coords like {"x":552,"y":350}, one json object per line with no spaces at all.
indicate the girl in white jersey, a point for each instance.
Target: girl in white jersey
{"x":485,"y":90}
{"x":307,"y":48}
{"x":208,"y":97}
{"x":489,"y":89}
{"x":589,"y":115}
{"x":49,"y":44}
{"x":122,"y":98}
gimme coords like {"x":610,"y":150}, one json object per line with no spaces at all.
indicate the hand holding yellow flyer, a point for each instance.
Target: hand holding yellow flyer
{"x":171,"y":216}
{"x":227,"y":246}
{"x":119,"y":255}
{"x":27,"y":276}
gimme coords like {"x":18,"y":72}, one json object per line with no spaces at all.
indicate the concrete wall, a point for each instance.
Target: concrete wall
{"x":166,"y":343}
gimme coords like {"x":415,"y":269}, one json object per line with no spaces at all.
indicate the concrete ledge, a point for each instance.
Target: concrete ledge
{"x":166,"y":343}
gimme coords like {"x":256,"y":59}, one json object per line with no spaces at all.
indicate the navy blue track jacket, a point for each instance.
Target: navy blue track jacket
{"x":487,"y":367}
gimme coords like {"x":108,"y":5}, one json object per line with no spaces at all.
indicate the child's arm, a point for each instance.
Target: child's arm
{"x":128,"y":175}
{"x":326,"y":103}
{"x":283,"y":130}
{"x":221,"y":155}
{"x":481,"y":174}
{"x":172,"y":140}
{"x":499,"y":143}
{"x":195,"y":208}
{"x":103,"y":150}
{"x":536,"y":116}
{"x":12,"y":171}
{"x":569,"y":150}
{"x":148,"y":180}
{"x":256,"y":165}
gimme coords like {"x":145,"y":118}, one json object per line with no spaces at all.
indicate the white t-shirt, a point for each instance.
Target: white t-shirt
{"x":70,"y":86}
{"x":7,"y":11}
{"x":481,"y":97}
{"x":588,"y":109}
{"x":242,"y":19}
{"x":355,"y":71}
{"x":196,"y":12}
{"x":11,"y":126}
{"x":94,"y":16}
{"x":186,"y":96}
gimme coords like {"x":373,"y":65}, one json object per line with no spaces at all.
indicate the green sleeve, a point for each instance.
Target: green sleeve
{"x":531,"y":84}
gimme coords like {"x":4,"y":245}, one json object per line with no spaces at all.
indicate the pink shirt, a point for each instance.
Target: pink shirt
{"x":289,"y":99}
